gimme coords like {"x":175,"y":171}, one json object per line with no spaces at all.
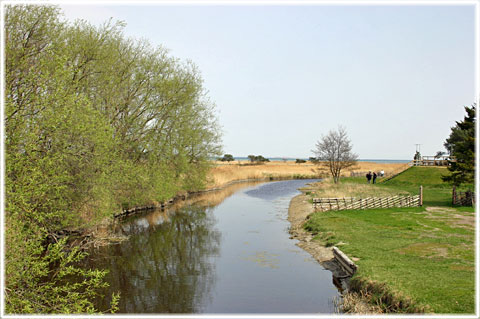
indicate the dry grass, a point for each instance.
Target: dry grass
{"x":357,"y":303}
{"x":327,"y":189}
{"x":224,"y":173}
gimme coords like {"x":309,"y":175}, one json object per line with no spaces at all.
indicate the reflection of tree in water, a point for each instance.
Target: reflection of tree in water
{"x":164,"y":267}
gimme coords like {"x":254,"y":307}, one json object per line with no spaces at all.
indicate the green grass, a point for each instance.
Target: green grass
{"x":435,"y":191}
{"x":423,"y":254}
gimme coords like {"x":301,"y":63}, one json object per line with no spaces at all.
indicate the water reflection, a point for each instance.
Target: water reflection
{"x":216,"y":253}
{"x":165,"y":266}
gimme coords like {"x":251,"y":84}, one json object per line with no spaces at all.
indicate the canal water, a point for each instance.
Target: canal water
{"x":223,"y":252}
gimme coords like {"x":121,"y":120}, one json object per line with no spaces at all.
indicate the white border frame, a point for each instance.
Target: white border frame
{"x":240,"y":3}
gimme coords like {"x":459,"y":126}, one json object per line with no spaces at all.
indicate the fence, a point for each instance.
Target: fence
{"x":433,"y":161}
{"x":326,"y":204}
{"x":463,"y":198}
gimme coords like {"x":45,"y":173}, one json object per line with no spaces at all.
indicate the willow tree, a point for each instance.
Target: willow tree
{"x":334,"y":151}
{"x":55,"y":145}
{"x":94,"y":122}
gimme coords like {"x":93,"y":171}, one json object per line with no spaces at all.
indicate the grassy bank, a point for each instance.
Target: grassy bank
{"x":223,"y":173}
{"x":410,"y":259}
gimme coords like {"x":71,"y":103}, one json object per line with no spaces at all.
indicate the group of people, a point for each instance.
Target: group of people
{"x":373,"y":177}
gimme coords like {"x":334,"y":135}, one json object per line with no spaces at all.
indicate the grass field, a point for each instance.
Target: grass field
{"x":223,"y":173}
{"x":422,"y":258}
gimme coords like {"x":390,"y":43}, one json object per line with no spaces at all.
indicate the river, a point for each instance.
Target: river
{"x":222,"y":252}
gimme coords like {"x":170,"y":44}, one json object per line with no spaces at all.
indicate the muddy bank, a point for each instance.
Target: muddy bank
{"x":298,"y":211}
{"x":356,"y":302}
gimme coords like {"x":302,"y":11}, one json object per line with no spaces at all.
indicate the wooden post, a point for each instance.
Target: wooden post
{"x":454,"y":196}
{"x":421,"y":195}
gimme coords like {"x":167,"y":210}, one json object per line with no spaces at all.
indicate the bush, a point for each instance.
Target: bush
{"x":226,"y":158}
{"x":257,"y":159}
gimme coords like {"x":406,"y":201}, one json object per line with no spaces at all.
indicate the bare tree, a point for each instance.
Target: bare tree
{"x":334,"y":151}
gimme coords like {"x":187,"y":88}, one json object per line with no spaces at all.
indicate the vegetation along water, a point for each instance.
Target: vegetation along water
{"x":94,"y":122}
{"x":419,"y":259}
{"x":220,"y":253}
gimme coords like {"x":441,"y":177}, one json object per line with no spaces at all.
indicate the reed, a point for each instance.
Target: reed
{"x":223,"y":173}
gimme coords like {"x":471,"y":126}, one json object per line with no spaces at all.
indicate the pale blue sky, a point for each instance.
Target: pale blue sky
{"x":281,"y":76}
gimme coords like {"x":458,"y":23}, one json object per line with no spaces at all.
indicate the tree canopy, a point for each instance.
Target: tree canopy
{"x":227,"y":158}
{"x":461,"y":145}
{"x":258,"y":159}
{"x":94,"y":121}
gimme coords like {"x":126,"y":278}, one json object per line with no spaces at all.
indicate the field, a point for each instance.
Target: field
{"x":419,"y":259}
{"x":223,"y":173}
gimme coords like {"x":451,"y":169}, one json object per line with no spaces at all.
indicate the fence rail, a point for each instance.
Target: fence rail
{"x":463,"y":198}
{"x":326,"y":204}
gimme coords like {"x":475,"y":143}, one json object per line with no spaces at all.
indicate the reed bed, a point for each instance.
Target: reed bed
{"x":223,"y":173}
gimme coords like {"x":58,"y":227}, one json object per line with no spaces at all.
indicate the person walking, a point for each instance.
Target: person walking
{"x":374,"y":177}
{"x":369,"y":176}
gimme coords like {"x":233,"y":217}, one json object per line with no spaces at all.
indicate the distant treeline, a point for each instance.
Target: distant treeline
{"x":94,"y":122}
{"x":291,"y":159}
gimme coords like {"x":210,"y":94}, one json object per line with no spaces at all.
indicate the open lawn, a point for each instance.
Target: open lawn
{"x":424,"y":255}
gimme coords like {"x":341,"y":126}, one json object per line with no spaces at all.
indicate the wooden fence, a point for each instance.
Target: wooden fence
{"x":463,"y":198}
{"x":326,"y":204}
{"x":433,"y":161}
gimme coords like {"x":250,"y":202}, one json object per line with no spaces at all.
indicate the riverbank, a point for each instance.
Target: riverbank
{"x":192,"y":248}
{"x":225,"y":174}
{"x":299,"y":210}
{"x":416,"y":260}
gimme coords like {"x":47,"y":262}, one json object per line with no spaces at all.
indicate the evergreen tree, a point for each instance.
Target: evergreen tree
{"x":461,"y":145}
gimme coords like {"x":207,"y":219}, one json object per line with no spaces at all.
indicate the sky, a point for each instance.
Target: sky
{"x":282,"y":76}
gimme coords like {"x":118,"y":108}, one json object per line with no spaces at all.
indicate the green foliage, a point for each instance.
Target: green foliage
{"x":227,"y":158}
{"x":93,"y":122}
{"x":257,"y":159}
{"x":300,"y":161}
{"x":47,"y":278}
{"x":461,"y":144}
{"x":314,"y":160}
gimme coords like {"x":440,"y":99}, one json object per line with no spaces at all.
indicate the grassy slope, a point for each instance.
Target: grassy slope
{"x":425,"y":254}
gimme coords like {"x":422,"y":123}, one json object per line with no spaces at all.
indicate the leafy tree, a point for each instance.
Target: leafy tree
{"x":461,"y":145}
{"x":56,"y":144}
{"x":227,"y":158}
{"x":334,"y":150}
{"x":439,"y":154}
{"x":93,"y":122}
{"x":258,"y":159}
{"x":300,"y":161}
